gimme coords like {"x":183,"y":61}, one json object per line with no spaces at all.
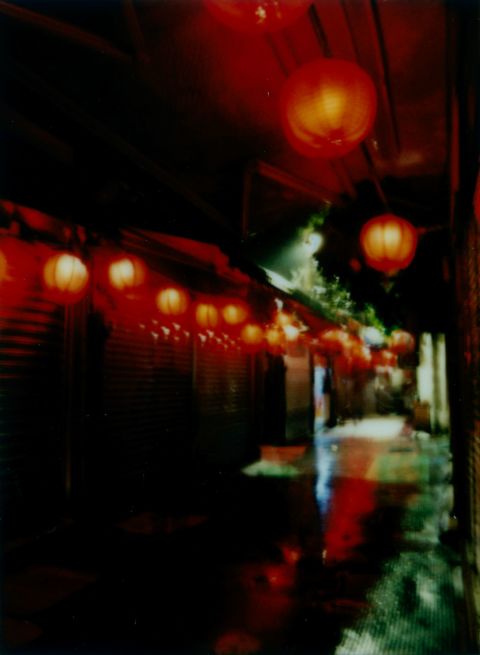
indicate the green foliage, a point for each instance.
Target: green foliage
{"x":333,"y":298}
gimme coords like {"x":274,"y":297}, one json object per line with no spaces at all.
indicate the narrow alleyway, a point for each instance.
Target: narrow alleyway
{"x":341,"y":547}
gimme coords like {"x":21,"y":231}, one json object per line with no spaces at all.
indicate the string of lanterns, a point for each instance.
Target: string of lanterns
{"x":225,"y":321}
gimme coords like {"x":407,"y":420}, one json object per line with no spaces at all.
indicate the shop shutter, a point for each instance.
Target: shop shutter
{"x":299,"y":393}
{"x":147,"y":401}
{"x":472,"y":348}
{"x":31,"y":409}
{"x":223,"y":408}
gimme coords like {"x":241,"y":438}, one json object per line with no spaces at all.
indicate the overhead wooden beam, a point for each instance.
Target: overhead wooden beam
{"x":369,"y":14}
{"x":64,"y":31}
{"x":135,"y":32}
{"x":297,"y":184}
{"x":16,"y":123}
{"x":104,"y":133}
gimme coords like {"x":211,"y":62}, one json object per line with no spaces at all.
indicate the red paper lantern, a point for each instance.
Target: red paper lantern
{"x":275,"y":338}
{"x":257,"y":16}
{"x":283,"y":318}
{"x":402,"y":342}
{"x":235,"y":313}
{"x":66,"y":276}
{"x":328,"y":107}
{"x":172,"y":301}
{"x":126,"y":273}
{"x":252,"y":335}
{"x":384,"y":357}
{"x":334,"y":340}
{"x":207,"y":316}
{"x":389,"y":243}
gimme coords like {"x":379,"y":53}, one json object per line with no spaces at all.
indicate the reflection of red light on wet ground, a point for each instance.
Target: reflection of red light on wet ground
{"x":282,"y":454}
{"x":237,"y":642}
{"x":291,"y":554}
{"x":353,"y":500}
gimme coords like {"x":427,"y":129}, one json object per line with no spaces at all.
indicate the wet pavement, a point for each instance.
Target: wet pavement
{"x":342,"y":546}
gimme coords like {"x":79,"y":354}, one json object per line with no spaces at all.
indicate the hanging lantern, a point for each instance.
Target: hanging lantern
{"x":361,"y":356}
{"x":66,"y":276}
{"x":275,"y":338}
{"x":252,"y":335}
{"x":257,"y":16}
{"x":389,"y":243}
{"x":384,"y":357}
{"x":206,"y":316}
{"x":402,"y":342}
{"x":333,"y":341}
{"x":328,"y":107}
{"x":126,"y":273}
{"x":235,"y":313}
{"x":172,"y":301}
{"x":283,"y":318}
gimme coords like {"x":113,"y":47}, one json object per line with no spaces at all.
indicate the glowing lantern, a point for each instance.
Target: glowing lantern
{"x":283,"y":318}
{"x":361,"y":356}
{"x":275,"y":337}
{"x":65,"y":275}
{"x":207,"y":316}
{"x":385,"y":357}
{"x":126,"y":273}
{"x":257,"y":16}
{"x":389,"y":243}
{"x":402,"y":342}
{"x":328,"y":108}
{"x":252,"y":334}
{"x":234,"y":313}
{"x":333,"y":341}
{"x":172,"y":301}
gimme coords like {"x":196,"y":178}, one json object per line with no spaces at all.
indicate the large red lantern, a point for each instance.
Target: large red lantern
{"x":126,"y":273}
{"x":172,"y":301}
{"x":328,"y":107}
{"x":257,"y":16}
{"x":65,"y":276}
{"x":389,"y":243}
{"x":207,"y":316}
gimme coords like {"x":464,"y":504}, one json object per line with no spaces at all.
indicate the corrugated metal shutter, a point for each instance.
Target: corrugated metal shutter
{"x":223,"y":402}
{"x":32,"y":405}
{"x":472,"y":336}
{"x":299,"y":394}
{"x":147,"y":400}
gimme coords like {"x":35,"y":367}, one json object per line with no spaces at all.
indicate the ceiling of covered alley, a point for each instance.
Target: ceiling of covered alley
{"x":156,"y":114}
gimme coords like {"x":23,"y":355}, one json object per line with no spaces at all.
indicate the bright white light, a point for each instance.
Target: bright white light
{"x":279,"y":281}
{"x":374,"y":428}
{"x":313,"y":242}
{"x":372,"y":336}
